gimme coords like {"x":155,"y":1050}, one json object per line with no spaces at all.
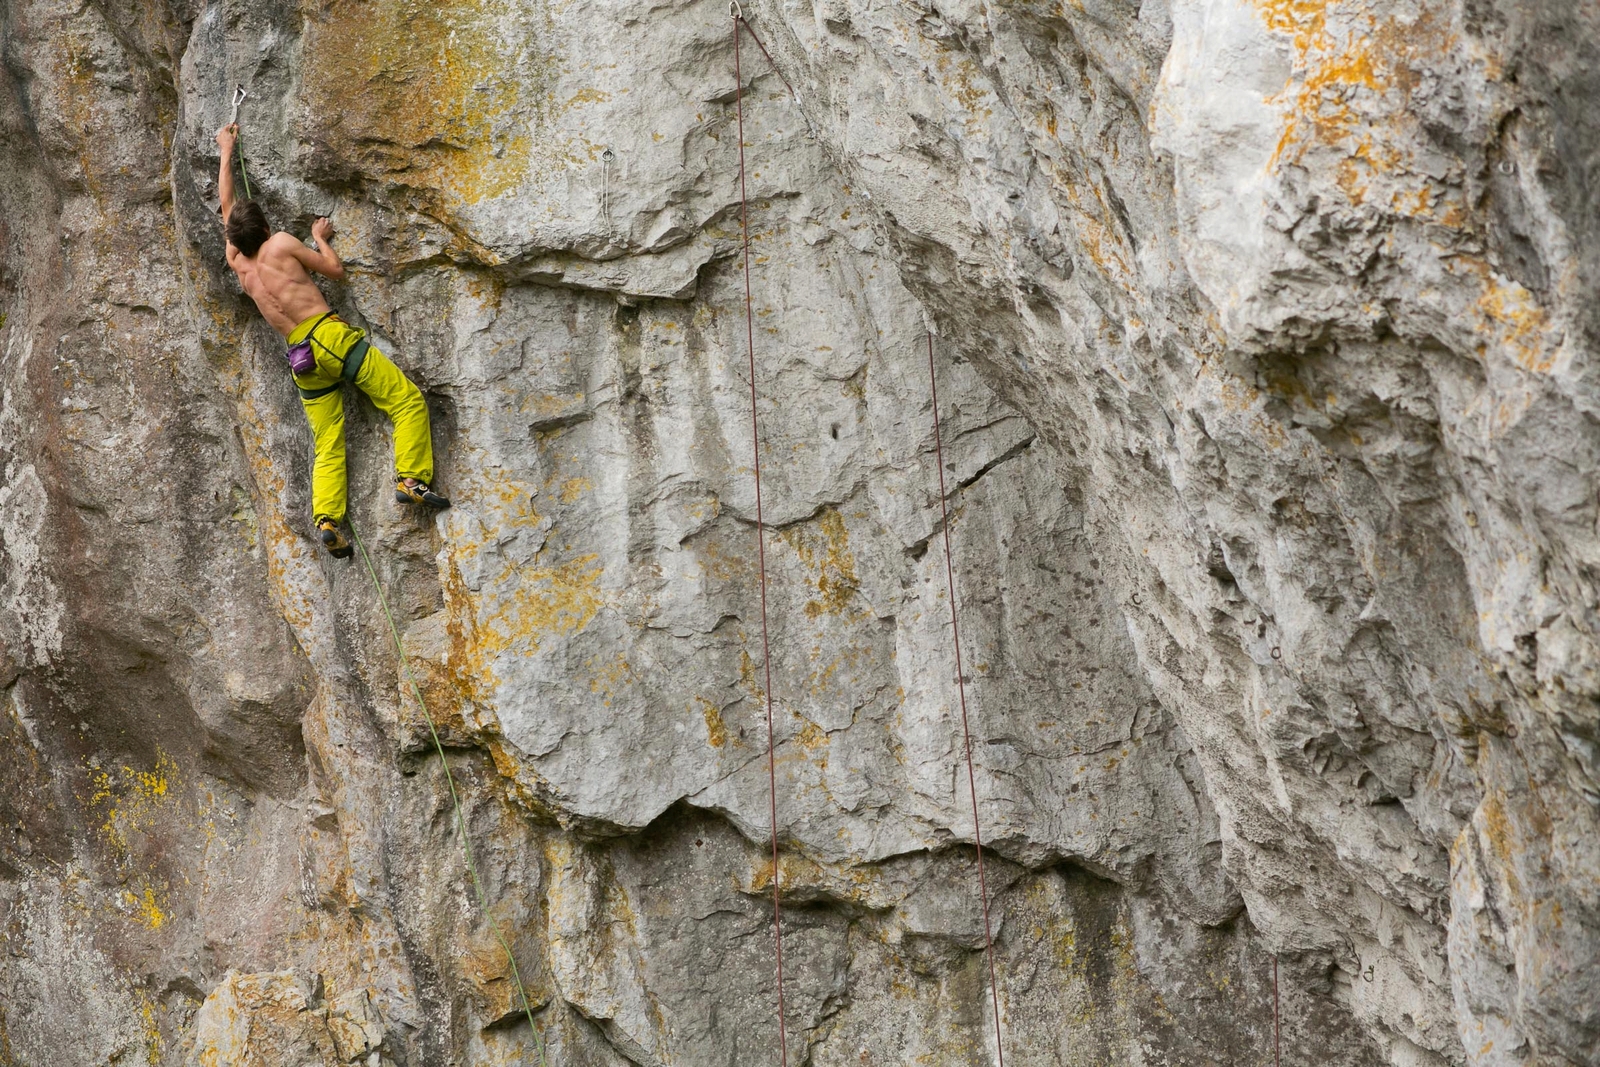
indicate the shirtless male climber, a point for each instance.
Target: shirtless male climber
{"x":324,"y":353}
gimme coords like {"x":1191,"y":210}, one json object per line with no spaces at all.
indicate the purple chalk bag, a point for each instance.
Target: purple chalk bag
{"x":301,"y":360}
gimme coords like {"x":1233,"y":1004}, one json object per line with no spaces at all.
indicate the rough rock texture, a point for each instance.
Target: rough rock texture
{"x":1267,"y":347}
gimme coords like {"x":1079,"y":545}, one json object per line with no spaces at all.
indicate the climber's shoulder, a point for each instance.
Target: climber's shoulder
{"x":282,"y":243}
{"x":277,"y":246}
{"x":287,"y":252}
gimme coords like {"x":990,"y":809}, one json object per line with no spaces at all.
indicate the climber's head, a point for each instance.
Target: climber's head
{"x":247,"y":227}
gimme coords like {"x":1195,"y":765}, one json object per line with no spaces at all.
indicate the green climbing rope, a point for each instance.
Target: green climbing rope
{"x":239,"y":96}
{"x":433,"y":731}
{"x":455,"y":797}
{"x":238,"y":150}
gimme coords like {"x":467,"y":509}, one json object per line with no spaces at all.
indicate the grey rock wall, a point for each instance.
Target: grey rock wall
{"x":1264,"y":341}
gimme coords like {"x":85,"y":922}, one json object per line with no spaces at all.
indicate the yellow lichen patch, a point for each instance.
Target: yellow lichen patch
{"x":152,"y":784}
{"x":1237,"y":398}
{"x":440,"y":94}
{"x":716,"y":728}
{"x":466,"y":665}
{"x":484,"y":963}
{"x":1056,"y":928}
{"x":1098,"y":233}
{"x":611,"y":677}
{"x":573,"y":488}
{"x":152,"y":1028}
{"x":864,"y":886}
{"x":830,"y":557}
{"x":1270,"y":430}
{"x":549,"y":406}
{"x":587,"y":96}
{"x":145,"y":907}
{"x":749,"y":679}
{"x":1351,"y":178}
{"x":1497,"y":830}
{"x":125,"y":800}
{"x":508,"y":605}
{"x":811,"y":737}
{"x":487,"y":287}
{"x":548,"y":601}
{"x":512,"y":504}
{"x":514,"y":777}
{"x":446,"y":693}
{"x":968,"y":86}
{"x":851,"y":659}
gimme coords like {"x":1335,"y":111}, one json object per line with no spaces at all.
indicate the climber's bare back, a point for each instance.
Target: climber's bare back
{"x":277,"y":280}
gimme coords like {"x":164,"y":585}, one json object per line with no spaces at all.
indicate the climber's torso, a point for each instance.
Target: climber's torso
{"x":278,"y":283}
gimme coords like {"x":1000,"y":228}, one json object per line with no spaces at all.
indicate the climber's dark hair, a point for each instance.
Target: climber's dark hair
{"x":247,"y":227}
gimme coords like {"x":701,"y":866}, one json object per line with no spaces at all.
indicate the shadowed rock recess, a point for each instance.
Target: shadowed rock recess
{"x":1269,"y":357}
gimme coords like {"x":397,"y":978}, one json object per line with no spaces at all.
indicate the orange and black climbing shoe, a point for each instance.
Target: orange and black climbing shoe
{"x":417,"y":492}
{"x":333,"y":540}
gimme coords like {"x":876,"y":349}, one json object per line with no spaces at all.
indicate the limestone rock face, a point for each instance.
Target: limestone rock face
{"x":1265,"y":341}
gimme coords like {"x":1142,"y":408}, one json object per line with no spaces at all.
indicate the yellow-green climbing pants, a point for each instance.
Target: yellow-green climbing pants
{"x":391,"y":391}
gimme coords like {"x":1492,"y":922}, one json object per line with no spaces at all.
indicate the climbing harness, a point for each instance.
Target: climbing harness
{"x":961,"y":684}
{"x":761,"y":549}
{"x":239,"y":96}
{"x":349,"y":363}
{"x":455,"y":797}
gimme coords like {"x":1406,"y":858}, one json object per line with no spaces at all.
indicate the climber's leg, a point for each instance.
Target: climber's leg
{"x":326,"y":416}
{"x":398,"y":398}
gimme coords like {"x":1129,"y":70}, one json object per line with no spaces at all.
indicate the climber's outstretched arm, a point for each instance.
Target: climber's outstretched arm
{"x":227,"y":137}
{"x":324,"y":260}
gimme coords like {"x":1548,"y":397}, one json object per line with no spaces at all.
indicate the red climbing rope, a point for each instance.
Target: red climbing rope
{"x":966,"y":733}
{"x":761,"y":548}
{"x":739,"y":19}
{"x":761,"y":556}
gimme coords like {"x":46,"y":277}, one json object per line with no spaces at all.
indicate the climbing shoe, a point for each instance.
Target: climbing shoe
{"x":418,"y":493}
{"x":333,"y":540}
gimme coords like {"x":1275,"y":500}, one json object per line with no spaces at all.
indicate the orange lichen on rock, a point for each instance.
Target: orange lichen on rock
{"x":1512,"y":314}
{"x":1344,"y":74}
